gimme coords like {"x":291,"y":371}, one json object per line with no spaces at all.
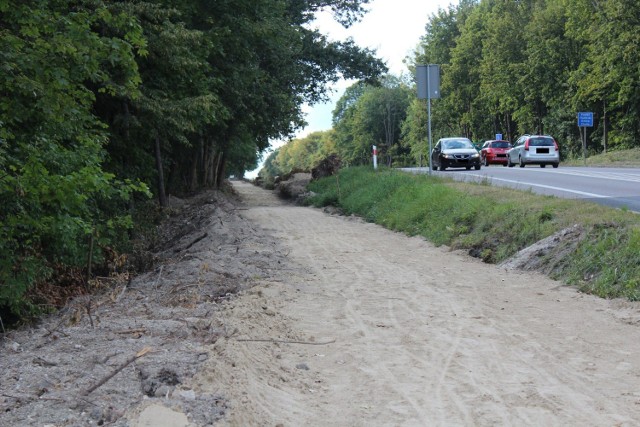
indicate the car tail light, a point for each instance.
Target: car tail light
{"x":555,"y":144}
{"x":526,"y":145}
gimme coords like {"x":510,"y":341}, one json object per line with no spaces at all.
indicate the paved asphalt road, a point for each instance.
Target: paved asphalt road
{"x":616,"y":187}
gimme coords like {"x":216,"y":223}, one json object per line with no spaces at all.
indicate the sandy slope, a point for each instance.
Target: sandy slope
{"x":337,"y":323}
{"x":371,"y":327}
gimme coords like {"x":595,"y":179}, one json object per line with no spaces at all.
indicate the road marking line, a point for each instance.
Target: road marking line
{"x":550,"y":187}
{"x":614,"y":176}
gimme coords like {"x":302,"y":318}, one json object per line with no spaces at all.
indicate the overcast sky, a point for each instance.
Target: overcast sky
{"x":391,"y":27}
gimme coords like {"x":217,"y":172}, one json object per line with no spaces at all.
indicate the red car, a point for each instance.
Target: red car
{"x":495,"y":151}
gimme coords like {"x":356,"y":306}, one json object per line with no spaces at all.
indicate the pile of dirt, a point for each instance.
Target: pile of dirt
{"x":294,"y":186}
{"x":545,"y":255}
{"x":140,"y":341}
{"x":329,"y":166}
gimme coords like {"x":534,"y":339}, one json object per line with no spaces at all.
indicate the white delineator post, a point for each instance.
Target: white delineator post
{"x":375,"y":157}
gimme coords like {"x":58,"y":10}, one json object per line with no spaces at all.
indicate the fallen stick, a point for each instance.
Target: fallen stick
{"x":115,"y":371}
{"x":192,"y":243}
{"x":131,"y":331}
{"x":51,"y":331}
{"x":287,"y":342}
{"x":124,"y":289}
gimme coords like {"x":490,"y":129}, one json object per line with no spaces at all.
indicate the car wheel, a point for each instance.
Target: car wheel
{"x":543,"y":165}
{"x":477,"y":167}
{"x":555,"y":165}
{"x":521,"y":162}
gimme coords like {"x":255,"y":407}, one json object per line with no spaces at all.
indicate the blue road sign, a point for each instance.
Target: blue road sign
{"x":585,"y":119}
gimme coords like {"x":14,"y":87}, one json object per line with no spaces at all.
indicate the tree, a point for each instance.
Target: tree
{"x":371,"y":115}
{"x":54,"y":193}
{"x":607,"y":81}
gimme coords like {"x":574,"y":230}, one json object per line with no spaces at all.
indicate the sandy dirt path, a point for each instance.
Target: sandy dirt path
{"x":370,"y":327}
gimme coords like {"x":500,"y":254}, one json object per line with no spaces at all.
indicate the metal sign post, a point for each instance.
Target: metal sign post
{"x":428,"y":82}
{"x":585,"y":120}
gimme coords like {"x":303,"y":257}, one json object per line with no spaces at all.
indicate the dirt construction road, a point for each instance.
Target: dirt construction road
{"x":370,"y":327}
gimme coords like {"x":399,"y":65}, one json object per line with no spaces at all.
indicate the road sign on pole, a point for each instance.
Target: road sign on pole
{"x":585,"y":119}
{"x":428,"y":82}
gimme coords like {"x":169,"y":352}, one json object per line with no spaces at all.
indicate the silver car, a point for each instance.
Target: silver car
{"x":534,"y":150}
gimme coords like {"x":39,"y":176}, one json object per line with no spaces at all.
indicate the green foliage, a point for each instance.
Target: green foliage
{"x":53,"y":191}
{"x":515,"y":67}
{"x":370,"y":115}
{"x":102,"y":100}
{"x":494,"y":223}
{"x":607,"y":262}
{"x":301,"y":154}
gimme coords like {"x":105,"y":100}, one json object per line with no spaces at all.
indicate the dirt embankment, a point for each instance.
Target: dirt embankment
{"x":338,"y":322}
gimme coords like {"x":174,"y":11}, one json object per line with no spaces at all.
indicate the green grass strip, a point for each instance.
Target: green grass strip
{"x":495,"y":223}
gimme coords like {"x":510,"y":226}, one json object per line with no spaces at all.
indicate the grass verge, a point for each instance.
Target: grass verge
{"x":495,"y":223}
{"x":618,"y":158}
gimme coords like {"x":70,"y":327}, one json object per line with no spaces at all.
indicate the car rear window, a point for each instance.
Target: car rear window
{"x":501,"y":145}
{"x":541,"y":142}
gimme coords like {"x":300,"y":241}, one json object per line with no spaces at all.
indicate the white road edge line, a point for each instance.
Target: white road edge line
{"x":583,"y":193}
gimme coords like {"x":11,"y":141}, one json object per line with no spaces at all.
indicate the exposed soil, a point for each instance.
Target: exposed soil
{"x":264,"y":313}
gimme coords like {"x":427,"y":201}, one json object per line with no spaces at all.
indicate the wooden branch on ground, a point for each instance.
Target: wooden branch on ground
{"x":192,"y":243}
{"x":287,"y":341}
{"x":132,"y":331}
{"x":115,"y":371}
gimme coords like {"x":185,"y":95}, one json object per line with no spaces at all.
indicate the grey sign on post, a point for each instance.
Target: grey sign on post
{"x":428,"y":81}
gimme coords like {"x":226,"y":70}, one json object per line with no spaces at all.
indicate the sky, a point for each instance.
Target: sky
{"x":391,"y":27}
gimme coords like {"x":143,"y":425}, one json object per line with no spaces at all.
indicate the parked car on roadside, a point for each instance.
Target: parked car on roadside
{"x":455,"y":152}
{"x":540,"y":150}
{"x":494,"y":151}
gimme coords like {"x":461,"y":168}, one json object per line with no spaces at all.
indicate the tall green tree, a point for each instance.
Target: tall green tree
{"x":54,"y":193}
{"x":550,"y":57}
{"x":462,"y":78}
{"x":503,"y":66}
{"x":607,"y":81}
{"x":372,"y":115}
{"x":437,"y":46}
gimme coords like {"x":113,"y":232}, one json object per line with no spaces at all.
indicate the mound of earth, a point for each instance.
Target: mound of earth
{"x":138,"y":343}
{"x":294,"y":186}
{"x":543,"y":256}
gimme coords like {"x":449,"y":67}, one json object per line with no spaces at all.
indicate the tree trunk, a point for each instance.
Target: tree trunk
{"x":211,"y":170}
{"x":162,"y":197}
{"x":195,"y":162}
{"x":220,"y":170}
{"x":193,"y":173}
